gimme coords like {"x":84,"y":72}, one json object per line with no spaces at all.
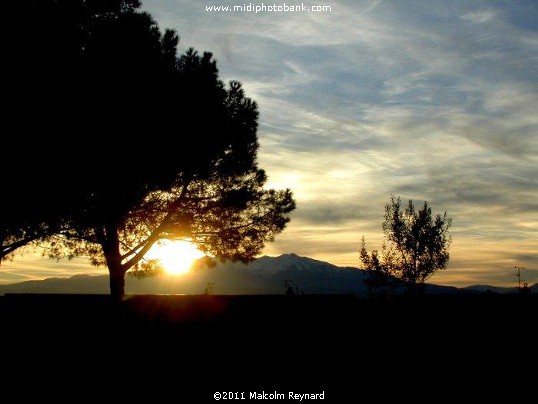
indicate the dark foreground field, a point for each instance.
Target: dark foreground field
{"x":186,"y":348}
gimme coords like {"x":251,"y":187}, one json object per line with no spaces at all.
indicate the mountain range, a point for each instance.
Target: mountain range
{"x":265,"y":275}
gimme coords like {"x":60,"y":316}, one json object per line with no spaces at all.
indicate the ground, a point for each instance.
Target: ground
{"x":186,"y":348}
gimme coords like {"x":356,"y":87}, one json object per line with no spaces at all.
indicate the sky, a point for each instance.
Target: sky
{"x":427,"y":100}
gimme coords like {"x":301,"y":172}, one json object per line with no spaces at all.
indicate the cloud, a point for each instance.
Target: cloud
{"x":479,"y":17}
{"x":333,"y":212}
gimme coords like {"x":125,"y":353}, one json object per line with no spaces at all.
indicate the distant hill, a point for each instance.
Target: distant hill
{"x":266,"y":275}
{"x":76,"y":284}
{"x":496,"y":289}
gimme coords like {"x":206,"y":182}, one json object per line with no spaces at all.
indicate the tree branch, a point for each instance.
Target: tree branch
{"x":155,"y":236}
{"x":8,"y":249}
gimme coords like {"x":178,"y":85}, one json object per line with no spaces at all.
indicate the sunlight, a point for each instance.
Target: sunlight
{"x":176,"y":257}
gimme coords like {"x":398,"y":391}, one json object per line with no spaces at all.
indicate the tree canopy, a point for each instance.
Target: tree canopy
{"x":417,"y":246}
{"x":127,"y":143}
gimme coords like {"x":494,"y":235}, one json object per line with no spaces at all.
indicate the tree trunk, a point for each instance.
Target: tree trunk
{"x":111,"y":250}
{"x":117,"y":284}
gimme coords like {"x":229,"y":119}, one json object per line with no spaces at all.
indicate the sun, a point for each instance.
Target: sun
{"x":176,"y":257}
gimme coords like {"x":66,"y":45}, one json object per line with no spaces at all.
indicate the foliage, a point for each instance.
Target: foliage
{"x":379,"y":280}
{"x":417,"y":246}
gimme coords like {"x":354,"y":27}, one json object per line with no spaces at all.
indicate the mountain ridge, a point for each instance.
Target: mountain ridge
{"x":265,"y":275}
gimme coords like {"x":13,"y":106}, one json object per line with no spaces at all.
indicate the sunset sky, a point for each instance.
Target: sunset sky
{"x":429,"y":100}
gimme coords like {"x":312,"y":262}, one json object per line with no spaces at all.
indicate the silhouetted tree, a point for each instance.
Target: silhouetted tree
{"x":417,"y":247}
{"x":162,"y":149}
{"x":378,"y":280}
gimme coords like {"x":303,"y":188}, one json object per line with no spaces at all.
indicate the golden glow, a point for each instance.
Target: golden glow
{"x":176,"y":257}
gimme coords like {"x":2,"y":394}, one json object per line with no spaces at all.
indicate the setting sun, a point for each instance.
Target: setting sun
{"x":176,"y":257}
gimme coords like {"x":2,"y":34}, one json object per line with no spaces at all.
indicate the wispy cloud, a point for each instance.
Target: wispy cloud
{"x":480,"y":16}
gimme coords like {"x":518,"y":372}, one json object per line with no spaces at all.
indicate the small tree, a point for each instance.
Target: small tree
{"x":378,"y":280}
{"x":417,"y":246}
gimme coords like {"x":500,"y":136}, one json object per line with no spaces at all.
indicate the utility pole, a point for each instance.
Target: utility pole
{"x":518,"y":274}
